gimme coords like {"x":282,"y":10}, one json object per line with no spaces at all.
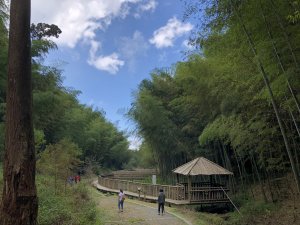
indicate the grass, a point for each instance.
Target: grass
{"x":135,"y":220}
{"x":103,"y":214}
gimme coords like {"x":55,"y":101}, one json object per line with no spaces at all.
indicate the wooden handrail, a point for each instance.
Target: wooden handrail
{"x":172,"y":192}
{"x":177,"y":192}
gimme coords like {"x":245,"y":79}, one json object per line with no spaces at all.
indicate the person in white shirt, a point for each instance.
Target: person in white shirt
{"x":121,"y":198}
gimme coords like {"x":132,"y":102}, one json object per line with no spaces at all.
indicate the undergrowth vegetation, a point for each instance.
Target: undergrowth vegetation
{"x":63,"y":207}
{"x":248,"y":210}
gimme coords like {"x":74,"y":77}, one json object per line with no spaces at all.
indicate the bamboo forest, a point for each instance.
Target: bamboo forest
{"x":150,"y":112}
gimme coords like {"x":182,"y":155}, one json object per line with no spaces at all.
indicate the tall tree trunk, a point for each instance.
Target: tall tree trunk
{"x":19,"y":204}
{"x":267,"y":83}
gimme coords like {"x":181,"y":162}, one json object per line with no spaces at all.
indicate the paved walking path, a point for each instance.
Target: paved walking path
{"x":135,"y":212}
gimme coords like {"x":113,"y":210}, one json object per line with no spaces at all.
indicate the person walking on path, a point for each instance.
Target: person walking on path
{"x":161,"y":201}
{"x":121,"y":198}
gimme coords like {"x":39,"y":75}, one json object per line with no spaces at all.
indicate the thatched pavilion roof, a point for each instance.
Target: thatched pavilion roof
{"x":201,"y":166}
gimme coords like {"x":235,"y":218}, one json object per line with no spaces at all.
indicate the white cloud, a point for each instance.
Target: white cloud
{"x":79,"y":19}
{"x":166,"y":35}
{"x":147,"y":6}
{"x":110,"y":63}
{"x":131,"y":48}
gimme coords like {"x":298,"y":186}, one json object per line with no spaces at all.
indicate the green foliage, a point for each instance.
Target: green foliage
{"x":40,"y":48}
{"x":144,"y":157}
{"x":58,"y":162}
{"x":41,"y":44}
{"x":39,"y":139}
{"x":157,"y":121}
{"x":44,"y":31}
{"x":59,"y":159}
{"x":106,"y":144}
{"x":295,"y":16}
{"x":63,"y":208}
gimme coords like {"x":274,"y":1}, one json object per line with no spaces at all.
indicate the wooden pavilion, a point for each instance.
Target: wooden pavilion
{"x":204,"y":181}
{"x":198,"y":182}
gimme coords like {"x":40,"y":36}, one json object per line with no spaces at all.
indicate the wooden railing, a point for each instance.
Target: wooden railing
{"x":172,"y":192}
{"x":209,"y":194}
{"x":200,"y":192}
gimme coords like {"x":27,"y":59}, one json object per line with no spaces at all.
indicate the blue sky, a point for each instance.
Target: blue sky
{"x":107,"y":47}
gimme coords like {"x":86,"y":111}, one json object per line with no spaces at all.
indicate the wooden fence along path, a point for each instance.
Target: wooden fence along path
{"x":177,"y":194}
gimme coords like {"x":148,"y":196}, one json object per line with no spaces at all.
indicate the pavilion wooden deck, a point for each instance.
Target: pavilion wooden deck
{"x":177,"y":195}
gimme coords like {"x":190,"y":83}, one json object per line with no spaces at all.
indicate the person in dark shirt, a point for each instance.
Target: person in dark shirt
{"x":161,"y":201}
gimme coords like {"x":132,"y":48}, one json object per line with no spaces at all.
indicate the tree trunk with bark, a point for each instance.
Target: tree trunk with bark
{"x":19,"y":204}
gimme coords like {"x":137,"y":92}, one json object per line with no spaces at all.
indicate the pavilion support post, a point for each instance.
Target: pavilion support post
{"x":189,"y":188}
{"x":177,"y":177}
